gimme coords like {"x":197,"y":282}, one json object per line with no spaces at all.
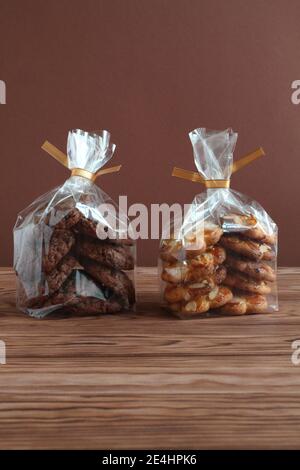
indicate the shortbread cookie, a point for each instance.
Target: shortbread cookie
{"x":255,"y":230}
{"x":197,"y":241}
{"x":240,"y":281}
{"x":256,"y":303}
{"x":257,"y":233}
{"x":195,"y":269}
{"x":217,"y":275}
{"x":219,"y":296}
{"x":193,"y":243}
{"x":201,"y":304}
{"x":237,"y":222}
{"x":203,"y":263}
{"x":170,"y":250}
{"x":197,"y":273}
{"x":175,"y":272}
{"x":196,"y":306}
{"x":177,"y":293}
{"x":220,"y":274}
{"x":218,"y":253}
{"x":212,"y":234}
{"x":60,"y":244}
{"x":214,"y":255}
{"x":239,"y":305}
{"x":257,"y":269}
{"x":185,"y":272}
{"x":247,"y":247}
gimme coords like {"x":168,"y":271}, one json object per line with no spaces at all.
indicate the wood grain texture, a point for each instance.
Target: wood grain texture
{"x":148,"y":380}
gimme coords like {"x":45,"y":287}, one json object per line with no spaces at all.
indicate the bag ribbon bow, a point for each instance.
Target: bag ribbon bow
{"x":63,"y":159}
{"x":197,"y":178}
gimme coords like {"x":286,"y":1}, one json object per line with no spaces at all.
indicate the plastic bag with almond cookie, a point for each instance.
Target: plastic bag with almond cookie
{"x":220,"y":257}
{"x":72,"y":246}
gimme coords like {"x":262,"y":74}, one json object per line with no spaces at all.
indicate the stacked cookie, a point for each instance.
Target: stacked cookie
{"x":80,"y":272}
{"x":193,"y":271}
{"x":250,"y":274}
{"x":231,"y":272}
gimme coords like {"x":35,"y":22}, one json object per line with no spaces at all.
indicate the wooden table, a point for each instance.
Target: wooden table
{"x":148,"y":380}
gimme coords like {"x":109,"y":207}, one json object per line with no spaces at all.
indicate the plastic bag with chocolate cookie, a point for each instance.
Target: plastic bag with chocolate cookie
{"x":220,"y":258}
{"x":72,"y":246}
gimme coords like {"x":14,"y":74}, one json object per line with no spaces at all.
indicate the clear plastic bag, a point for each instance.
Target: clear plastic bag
{"x":221,"y":259}
{"x":72,"y":249}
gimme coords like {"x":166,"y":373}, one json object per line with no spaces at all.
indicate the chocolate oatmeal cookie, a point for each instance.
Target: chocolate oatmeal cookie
{"x":60,"y":244}
{"x":92,"y":306}
{"x":88,"y":227}
{"x":62,"y":218}
{"x":111,"y":255}
{"x":60,"y":273}
{"x":111,"y":278}
{"x":80,"y":295}
{"x":36,"y":301}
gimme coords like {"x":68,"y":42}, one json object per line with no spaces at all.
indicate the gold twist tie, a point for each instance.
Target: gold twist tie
{"x":63,"y":159}
{"x":197,"y":178}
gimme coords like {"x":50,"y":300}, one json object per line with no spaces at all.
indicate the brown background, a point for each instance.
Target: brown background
{"x":150,"y":71}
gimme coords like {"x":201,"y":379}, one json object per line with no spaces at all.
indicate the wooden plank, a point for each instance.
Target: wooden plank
{"x":148,"y":380}
{"x":95,"y":421}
